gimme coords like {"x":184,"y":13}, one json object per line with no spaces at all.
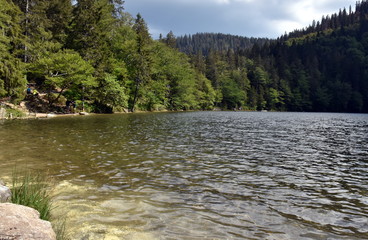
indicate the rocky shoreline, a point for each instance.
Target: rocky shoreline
{"x":35,"y":115}
{"x":23,"y":111}
{"x":19,"y":222}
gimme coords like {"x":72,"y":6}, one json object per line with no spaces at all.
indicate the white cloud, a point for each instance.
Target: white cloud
{"x":306,"y":11}
{"x":223,"y":1}
{"x":282,"y":26}
{"x":303,"y":12}
{"x":267,"y":18}
{"x":233,"y":1}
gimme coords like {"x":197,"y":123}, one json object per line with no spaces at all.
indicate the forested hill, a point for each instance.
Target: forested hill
{"x":344,"y":18}
{"x":323,"y":67}
{"x":204,"y":42}
{"x":96,"y":53}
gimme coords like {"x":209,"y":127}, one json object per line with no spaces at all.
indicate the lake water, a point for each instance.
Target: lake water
{"x":200,"y":175}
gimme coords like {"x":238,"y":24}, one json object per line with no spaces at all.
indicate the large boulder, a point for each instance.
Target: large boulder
{"x":23,"y":223}
{"x":5,"y":193}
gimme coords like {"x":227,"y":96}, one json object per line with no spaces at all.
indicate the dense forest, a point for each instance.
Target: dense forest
{"x":95,"y":52}
{"x":323,"y":67}
{"x":206,"y":42}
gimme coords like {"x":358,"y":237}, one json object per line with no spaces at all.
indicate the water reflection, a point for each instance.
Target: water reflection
{"x":202,"y":175}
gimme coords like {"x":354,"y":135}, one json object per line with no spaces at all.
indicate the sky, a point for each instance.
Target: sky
{"x":248,"y":18}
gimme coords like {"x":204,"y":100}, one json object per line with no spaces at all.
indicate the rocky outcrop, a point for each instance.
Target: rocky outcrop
{"x":23,"y":223}
{"x":5,"y":193}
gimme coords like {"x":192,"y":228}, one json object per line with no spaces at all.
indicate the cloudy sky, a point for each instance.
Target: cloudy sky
{"x":250,"y":18}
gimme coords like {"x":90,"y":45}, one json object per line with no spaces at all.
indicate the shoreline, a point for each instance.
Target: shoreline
{"x":45,"y":115}
{"x":26,"y":114}
{"x":21,"y":112}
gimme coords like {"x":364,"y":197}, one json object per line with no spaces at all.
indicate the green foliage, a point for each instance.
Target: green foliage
{"x":275,"y":99}
{"x":322,"y":99}
{"x":45,"y":25}
{"x":90,"y":26}
{"x":142,"y":63}
{"x":143,"y":36}
{"x":170,"y":40}
{"x":65,"y":69}
{"x":56,"y":99}
{"x":205,"y":94}
{"x":233,"y":96}
{"x":14,"y":113}
{"x":12,"y":81}
{"x":112,"y":92}
{"x":207,"y":42}
{"x":94,"y":52}
{"x":32,"y":190}
{"x":174,"y":79}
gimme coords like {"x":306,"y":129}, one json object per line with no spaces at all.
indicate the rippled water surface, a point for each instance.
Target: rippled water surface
{"x":200,"y":175}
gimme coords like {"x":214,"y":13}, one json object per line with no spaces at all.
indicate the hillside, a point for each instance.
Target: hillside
{"x":94,"y":54}
{"x":323,"y":67}
{"x":105,"y":60}
{"x":206,"y":42}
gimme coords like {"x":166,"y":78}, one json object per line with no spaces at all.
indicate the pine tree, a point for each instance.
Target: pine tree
{"x":12,"y":81}
{"x":44,"y":24}
{"x":142,"y":59}
{"x":90,"y":28}
{"x":170,"y":40}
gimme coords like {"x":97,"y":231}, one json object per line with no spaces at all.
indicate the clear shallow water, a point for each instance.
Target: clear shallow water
{"x":201,"y":175}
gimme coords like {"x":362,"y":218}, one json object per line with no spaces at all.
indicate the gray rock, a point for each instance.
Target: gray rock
{"x":23,"y":223}
{"x":5,"y":193}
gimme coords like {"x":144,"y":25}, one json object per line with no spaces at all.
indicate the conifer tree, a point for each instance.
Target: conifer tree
{"x":12,"y":81}
{"x":90,"y":28}
{"x":44,"y":24}
{"x":142,"y":59}
{"x":170,"y":40}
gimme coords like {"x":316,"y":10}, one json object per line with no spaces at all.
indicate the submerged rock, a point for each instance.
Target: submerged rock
{"x":20,"y":222}
{"x":5,"y":193}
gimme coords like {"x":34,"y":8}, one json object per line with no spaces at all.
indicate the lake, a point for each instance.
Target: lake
{"x":200,"y":175}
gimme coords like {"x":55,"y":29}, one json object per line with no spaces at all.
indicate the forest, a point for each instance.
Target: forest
{"x":96,"y":53}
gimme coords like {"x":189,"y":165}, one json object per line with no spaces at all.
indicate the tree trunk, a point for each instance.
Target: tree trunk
{"x":57,"y":98}
{"x":26,"y":33}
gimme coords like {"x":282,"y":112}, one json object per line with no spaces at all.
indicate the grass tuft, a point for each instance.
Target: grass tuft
{"x":32,"y":190}
{"x":60,"y":229}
